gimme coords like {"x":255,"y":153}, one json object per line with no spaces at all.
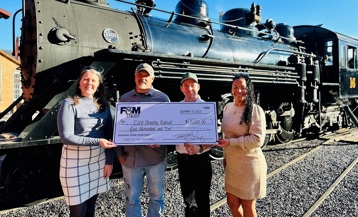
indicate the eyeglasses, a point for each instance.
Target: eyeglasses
{"x":99,"y":69}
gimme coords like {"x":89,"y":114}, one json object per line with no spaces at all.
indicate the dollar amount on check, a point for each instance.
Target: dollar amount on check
{"x":171,"y":123}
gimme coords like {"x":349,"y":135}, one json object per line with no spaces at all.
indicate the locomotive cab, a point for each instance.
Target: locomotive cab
{"x":337,"y":56}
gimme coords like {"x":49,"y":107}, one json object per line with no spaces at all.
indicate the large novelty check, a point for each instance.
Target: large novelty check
{"x":170,"y":123}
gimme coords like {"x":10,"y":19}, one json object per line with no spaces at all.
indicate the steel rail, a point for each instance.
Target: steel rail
{"x":330,"y":189}
{"x":223,"y":201}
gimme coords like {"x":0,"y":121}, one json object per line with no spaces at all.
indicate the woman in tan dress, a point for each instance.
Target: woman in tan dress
{"x":243,"y":127}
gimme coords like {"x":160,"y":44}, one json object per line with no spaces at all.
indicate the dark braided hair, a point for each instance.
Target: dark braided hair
{"x":100,"y":96}
{"x":250,"y":98}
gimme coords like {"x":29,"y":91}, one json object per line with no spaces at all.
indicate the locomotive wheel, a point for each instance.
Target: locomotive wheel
{"x":26,"y":182}
{"x":284,"y":136}
{"x":172,"y":162}
{"x":267,"y":139}
{"x":216,"y":153}
{"x":286,"y":133}
{"x":268,"y":136}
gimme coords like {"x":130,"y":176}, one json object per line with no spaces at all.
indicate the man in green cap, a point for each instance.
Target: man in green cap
{"x":193,"y":161}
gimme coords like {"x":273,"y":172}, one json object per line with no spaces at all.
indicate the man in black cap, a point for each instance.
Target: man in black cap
{"x":194,"y":162}
{"x":143,"y":160}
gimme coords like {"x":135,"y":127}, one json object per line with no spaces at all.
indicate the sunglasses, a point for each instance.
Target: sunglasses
{"x":241,"y":75}
{"x":98,"y":69}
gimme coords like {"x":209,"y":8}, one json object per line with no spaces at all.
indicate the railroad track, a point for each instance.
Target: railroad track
{"x":341,"y":136}
{"x":300,"y":158}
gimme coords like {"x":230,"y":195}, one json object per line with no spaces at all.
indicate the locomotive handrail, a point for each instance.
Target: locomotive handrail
{"x":263,"y":54}
{"x":14,"y":52}
{"x":225,"y":70}
{"x":236,"y":67}
{"x":114,"y":53}
{"x":227,"y":79}
{"x":204,"y":75}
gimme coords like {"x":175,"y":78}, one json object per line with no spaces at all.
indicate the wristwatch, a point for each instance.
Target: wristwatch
{"x":201,"y":149}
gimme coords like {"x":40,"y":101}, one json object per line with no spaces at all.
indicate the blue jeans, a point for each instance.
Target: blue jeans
{"x":134,"y":178}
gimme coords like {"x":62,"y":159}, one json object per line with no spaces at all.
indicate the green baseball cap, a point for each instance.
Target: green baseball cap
{"x":189,"y":75}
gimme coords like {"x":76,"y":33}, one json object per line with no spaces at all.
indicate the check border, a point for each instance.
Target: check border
{"x":169,"y":123}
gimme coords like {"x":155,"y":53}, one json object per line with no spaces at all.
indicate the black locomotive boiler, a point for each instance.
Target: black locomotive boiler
{"x":304,"y":76}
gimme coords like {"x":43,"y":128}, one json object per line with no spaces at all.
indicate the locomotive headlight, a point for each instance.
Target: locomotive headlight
{"x":110,"y":35}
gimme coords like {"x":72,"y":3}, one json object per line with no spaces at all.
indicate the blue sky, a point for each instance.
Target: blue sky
{"x":340,"y":16}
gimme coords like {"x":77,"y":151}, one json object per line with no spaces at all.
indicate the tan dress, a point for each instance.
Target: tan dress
{"x":246,"y":168}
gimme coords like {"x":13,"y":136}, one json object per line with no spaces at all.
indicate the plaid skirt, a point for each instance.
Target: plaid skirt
{"x":81,"y":173}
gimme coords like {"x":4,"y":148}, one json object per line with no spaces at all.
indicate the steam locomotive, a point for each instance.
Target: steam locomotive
{"x":304,"y":76}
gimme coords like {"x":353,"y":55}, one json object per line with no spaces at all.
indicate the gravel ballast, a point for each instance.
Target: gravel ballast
{"x":289,"y":193}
